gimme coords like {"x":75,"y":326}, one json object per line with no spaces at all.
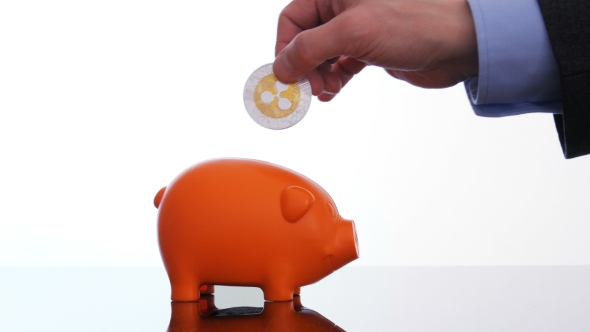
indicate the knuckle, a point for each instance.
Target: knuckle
{"x":304,"y":50}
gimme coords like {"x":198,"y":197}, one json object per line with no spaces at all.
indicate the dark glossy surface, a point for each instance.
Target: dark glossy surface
{"x":285,"y":316}
{"x":354,"y":298}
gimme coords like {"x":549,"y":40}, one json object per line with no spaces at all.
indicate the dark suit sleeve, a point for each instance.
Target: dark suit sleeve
{"x":568,"y":26}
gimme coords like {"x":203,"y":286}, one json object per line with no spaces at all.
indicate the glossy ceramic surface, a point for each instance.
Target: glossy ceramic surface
{"x":241,"y":222}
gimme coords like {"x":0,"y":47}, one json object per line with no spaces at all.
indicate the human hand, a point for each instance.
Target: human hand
{"x":428,"y":43}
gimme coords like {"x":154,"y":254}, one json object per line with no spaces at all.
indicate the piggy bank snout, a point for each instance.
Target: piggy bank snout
{"x":346,"y":245}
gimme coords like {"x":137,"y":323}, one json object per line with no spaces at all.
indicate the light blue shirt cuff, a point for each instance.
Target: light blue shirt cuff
{"x":517,"y":70}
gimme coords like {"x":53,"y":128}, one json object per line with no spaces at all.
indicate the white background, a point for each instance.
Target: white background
{"x":102,"y":103}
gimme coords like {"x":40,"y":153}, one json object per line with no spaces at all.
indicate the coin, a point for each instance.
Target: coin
{"x":274,"y":104}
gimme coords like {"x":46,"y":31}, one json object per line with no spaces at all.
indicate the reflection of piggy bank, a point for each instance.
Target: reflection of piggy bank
{"x":288,"y":316}
{"x":249,"y":223}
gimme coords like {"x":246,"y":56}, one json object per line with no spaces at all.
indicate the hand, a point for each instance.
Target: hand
{"x":428,"y":43}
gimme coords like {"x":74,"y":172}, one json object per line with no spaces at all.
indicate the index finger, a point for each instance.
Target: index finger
{"x":298,"y":16}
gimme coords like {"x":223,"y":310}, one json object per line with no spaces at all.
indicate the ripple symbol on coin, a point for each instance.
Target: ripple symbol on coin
{"x":274,"y":104}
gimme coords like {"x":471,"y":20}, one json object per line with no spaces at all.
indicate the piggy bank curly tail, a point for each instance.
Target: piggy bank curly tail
{"x":158,"y":197}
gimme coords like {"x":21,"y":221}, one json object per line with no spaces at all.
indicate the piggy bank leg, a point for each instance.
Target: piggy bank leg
{"x":207,"y":289}
{"x":207,"y":305}
{"x":184,"y":288}
{"x":297,"y":291}
{"x":297,"y":303}
{"x":277,"y":292}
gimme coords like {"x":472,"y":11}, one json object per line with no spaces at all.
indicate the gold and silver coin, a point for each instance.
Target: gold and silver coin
{"x":274,"y":104}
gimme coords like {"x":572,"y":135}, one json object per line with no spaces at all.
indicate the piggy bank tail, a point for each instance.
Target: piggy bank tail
{"x":158,"y":197}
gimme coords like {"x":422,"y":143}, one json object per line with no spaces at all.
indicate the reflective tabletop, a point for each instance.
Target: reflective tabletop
{"x":351,"y":299}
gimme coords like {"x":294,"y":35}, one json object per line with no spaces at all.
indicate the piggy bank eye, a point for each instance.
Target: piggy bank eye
{"x":331,"y":210}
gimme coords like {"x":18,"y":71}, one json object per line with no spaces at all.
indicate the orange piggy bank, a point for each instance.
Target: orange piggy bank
{"x":239,"y":222}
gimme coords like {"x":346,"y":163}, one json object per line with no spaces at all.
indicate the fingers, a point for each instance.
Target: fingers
{"x":344,"y":70}
{"x":327,"y":80}
{"x":311,"y":40}
{"x":301,"y":15}
{"x":309,"y":49}
{"x":332,"y":83}
{"x":322,"y":80}
{"x":316,"y":80}
{"x":295,"y":18}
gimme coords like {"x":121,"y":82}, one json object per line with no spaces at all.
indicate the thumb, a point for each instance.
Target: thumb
{"x":309,"y":49}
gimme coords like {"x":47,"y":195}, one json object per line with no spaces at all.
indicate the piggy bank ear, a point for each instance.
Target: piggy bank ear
{"x":158,"y":197}
{"x":295,"y":202}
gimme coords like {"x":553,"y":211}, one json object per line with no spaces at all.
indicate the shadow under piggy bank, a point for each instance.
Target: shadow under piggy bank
{"x":285,"y":316}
